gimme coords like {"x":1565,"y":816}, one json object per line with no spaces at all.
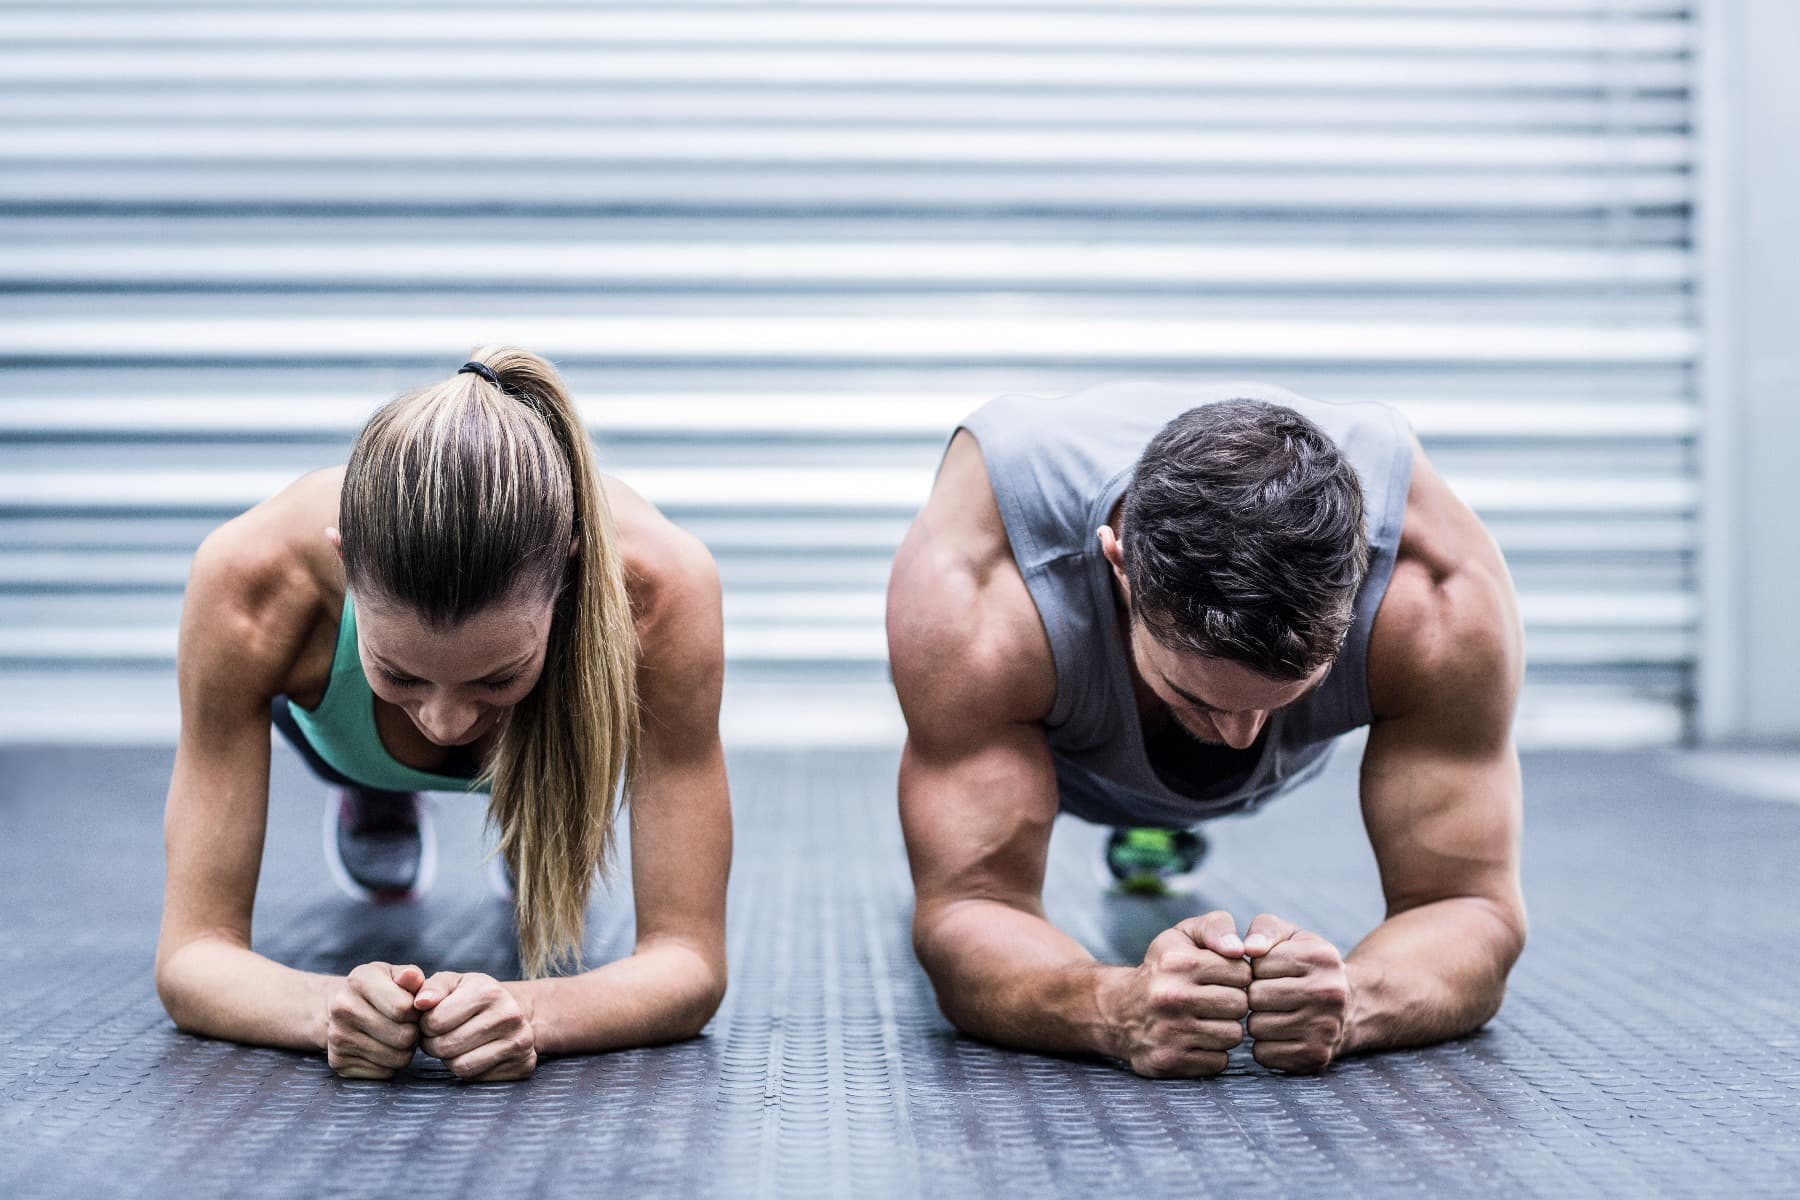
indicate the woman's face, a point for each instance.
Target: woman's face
{"x":457,"y":683}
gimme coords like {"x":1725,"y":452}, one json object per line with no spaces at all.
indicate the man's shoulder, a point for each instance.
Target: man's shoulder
{"x":1447,"y":641}
{"x":965,"y":642}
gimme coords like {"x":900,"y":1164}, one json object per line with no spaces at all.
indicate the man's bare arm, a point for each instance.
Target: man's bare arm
{"x":977,"y":801}
{"x":1002,"y":972}
{"x":1445,"y":824}
{"x":1441,"y":802}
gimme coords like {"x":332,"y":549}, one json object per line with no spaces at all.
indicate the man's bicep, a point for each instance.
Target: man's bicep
{"x":977,"y":816}
{"x":1443,"y":817}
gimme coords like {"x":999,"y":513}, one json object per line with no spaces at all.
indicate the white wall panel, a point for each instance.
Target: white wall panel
{"x":778,"y":248}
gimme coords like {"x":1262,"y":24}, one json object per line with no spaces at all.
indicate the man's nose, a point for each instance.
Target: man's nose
{"x":1239,"y":730}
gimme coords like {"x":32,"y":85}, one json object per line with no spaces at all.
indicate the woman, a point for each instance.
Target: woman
{"x":467,"y":605}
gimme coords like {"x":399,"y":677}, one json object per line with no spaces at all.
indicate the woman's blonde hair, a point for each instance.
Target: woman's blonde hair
{"x":470,"y":493}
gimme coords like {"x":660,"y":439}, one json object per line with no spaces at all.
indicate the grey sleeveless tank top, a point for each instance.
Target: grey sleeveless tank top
{"x":1058,"y":465}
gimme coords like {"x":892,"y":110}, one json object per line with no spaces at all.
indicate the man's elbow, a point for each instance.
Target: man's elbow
{"x":1509,"y":944}
{"x":1515,"y":926}
{"x":929,"y":947}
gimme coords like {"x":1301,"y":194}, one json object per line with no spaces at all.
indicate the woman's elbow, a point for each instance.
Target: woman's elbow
{"x":704,"y":998}
{"x":176,"y":996}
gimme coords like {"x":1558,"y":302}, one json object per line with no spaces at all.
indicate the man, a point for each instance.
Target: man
{"x":1150,"y":605}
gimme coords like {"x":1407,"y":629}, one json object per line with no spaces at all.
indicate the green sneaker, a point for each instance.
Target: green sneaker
{"x":1144,"y":862}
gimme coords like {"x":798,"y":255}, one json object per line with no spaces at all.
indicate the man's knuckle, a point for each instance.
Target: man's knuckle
{"x":1161,"y":1060}
{"x":1166,"y":998}
{"x":1222,"y":1035}
{"x":1178,"y":962}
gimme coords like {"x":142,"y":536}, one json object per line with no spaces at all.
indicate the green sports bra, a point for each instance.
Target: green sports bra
{"x":342,"y":728}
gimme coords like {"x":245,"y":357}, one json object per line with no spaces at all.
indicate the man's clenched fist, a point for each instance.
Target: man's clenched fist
{"x":1299,"y":996}
{"x":1182,"y":1010}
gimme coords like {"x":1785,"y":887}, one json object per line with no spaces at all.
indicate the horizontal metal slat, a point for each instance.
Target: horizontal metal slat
{"x":724,"y":415}
{"x":106,"y":705}
{"x":1611,"y":9}
{"x":1197,"y":70}
{"x":839,"y":491}
{"x":821,"y":339}
{"x":790,"y":643}
{"x":940,"y":29}
{"x":472,"y":185}
{"x":471,"y":104}
{"x":862,"y":264}
{"x":1187,"y":150}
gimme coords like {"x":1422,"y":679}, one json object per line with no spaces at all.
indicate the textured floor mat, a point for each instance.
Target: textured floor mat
{"x":1648,"y":1045}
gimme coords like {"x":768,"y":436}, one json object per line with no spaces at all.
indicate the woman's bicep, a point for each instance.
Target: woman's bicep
{"x":680,"y":813}
{"x":681,"y":846}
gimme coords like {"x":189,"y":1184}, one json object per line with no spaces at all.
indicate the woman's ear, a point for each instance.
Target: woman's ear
{"x":574,"y":545}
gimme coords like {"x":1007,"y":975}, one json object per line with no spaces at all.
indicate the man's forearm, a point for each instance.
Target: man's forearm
{"x":1433,"y":972}
{"x":221,"y":990}
{"x":1010,"y":977}
{"x":665,"y":992}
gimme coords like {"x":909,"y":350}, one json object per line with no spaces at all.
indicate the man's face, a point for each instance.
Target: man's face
{"x":455,"y":684}
{"x":1219,"y":702}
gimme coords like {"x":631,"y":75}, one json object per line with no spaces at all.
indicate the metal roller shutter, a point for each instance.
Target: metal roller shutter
{"x":779,"y":248}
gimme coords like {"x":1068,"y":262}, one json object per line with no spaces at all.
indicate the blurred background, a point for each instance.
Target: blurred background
{"x":778,"y":249}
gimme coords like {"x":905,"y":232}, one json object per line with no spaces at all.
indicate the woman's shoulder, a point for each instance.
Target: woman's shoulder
{"x":260,"y":584}
{"x":665,"y":565}
{"x":672,"y":579}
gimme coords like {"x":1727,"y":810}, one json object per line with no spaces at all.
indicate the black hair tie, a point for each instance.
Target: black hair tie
{"x":483,"y":370}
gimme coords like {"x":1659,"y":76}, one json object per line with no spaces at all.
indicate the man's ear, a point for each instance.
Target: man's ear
{"x":1115,"y":556}
{"x":336,"y":539}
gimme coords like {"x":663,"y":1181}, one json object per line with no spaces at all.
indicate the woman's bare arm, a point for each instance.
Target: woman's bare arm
{"x":672,"y":983}
{"x":243,"y":620}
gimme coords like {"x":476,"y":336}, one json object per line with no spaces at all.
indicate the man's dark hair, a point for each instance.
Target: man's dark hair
{"x":1243,"y":538}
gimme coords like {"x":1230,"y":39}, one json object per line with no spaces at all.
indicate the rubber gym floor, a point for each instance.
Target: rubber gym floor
{"x":1647,"y":1045}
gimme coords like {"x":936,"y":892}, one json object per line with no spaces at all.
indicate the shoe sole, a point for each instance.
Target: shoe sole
{"x":341,"y":876}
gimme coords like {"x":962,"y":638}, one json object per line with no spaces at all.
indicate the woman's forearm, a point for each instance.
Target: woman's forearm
{"x":663,"y":993}
{"x":222,"y":990}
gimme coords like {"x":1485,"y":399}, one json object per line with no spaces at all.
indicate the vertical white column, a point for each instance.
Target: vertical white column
{"x":1749,"y":233}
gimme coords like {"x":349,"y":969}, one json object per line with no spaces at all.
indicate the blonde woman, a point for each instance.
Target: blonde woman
{"x":467,"y":605}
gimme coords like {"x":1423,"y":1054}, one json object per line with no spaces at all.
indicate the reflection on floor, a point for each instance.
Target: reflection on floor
{"x":1648,"y":1045}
